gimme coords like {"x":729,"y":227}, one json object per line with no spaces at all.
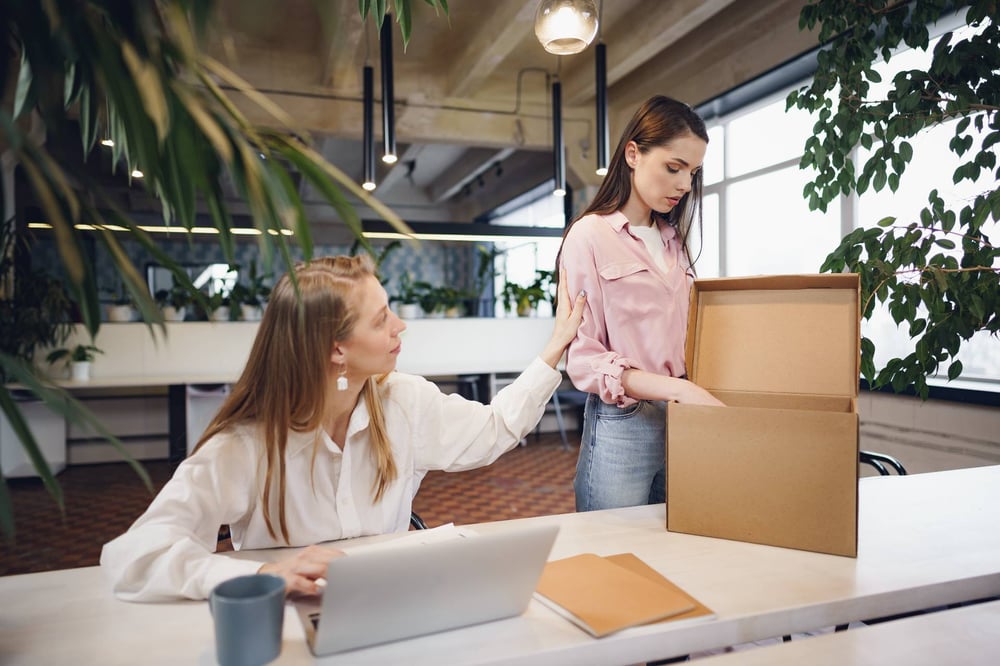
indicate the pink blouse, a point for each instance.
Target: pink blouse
{"x":636,"y":315}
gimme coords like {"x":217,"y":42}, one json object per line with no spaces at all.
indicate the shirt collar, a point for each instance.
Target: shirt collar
{"x":617,"y":221}
{"x":300,"y":441}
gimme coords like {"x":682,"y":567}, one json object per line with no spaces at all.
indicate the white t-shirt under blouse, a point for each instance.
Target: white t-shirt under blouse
{"x":168,"y":553}
{"x":650,"y":236}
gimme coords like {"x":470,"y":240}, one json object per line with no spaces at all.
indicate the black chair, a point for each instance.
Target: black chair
{"x":879,"y":462}
{"x":416,"y":522}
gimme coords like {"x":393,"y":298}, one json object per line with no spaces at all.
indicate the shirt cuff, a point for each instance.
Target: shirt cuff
{"x":612,"y":373}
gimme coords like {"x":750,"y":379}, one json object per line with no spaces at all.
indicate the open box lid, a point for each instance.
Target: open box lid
{"x":776,"y":334}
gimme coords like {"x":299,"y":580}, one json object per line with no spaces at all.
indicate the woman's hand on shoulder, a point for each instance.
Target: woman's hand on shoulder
{"x":569,"y":314}
{"x":303,"y":570}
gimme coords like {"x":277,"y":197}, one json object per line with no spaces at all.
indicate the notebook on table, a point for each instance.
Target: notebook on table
{"x":603,"y":595}
{"x":378,"y":596}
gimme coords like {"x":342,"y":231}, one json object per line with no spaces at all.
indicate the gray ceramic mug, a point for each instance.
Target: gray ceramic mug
{"x":249,"y":613}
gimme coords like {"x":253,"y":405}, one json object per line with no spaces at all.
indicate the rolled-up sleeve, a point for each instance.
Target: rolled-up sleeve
{"x":454,"y":434}
{"x":168,"y":553}
{"x":591,"y":366}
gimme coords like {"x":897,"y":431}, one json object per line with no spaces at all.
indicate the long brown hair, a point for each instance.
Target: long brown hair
{"x":657,"y":122}
{"x":285,"y":383}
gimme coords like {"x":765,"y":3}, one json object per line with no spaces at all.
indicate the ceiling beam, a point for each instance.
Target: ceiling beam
{"x":632,"y":44}
{"x":472,"y":163}
{"x":399,"y":170}
{"x":344,"y":34}
{"x":504,"y":30}
{"x":740,"y":44}
{"x":327,"y":114}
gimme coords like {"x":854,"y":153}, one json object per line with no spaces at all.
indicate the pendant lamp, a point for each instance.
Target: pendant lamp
{"x":565,"y":27}
{"x":368,"y":138}
{"x":388,"y":99}
{"x":558,"y":149}
{"x":601,"y":86}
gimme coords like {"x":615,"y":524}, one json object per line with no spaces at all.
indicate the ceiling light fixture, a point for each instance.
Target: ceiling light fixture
{"x":558,"y":149}
{"x":369,"y":130}
{"x":167,"y":229}
{"x":388,"y":99}
{"x":601,"y":86}
{"x":565,"y":27}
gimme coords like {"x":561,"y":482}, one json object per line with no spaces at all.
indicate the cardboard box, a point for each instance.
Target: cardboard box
{"x":779,"y":464}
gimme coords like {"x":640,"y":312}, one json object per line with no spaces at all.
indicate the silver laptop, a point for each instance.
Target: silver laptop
{"x":386,"y":595}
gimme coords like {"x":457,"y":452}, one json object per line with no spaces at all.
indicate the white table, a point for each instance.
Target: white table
{"x":925,"y":541}
{"x":960,"y":637}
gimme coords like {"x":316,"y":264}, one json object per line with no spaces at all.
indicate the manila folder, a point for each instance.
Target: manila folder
{"x":603,"y":597}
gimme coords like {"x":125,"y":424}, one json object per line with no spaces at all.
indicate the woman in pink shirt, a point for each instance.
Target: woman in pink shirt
{"x":629,"y":252}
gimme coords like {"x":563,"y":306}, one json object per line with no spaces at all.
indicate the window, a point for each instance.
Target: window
{"x":520,"y":260}
{"x":757,"y":221}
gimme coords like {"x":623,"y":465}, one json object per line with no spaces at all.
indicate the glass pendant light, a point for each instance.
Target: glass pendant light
{"x":565,"y":27}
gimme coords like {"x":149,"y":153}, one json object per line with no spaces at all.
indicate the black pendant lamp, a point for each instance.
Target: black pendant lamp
{"x":601,"y":85}
{"x":388,"y":99}
{"x":369,"y":130}
{"x":558,"y":149}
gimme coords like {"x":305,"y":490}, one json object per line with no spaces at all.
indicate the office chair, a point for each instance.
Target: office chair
{"x":879,"y":462}
{"x":416,"y":522}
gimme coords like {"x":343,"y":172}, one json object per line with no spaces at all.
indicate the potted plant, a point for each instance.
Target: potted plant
{"x":432,"y":299}
{"x":121,"y":308}
{"x":409,"y":296}
{"x":78,"y":358}
{"x":173,"y":302}
{"x":219,"y":307}
{"x":523,"y":300}
{"x":453,"y":301}
{"x":251,"y":296}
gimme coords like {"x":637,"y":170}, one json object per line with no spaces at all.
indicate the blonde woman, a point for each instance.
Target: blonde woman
{"x":319,"y":440}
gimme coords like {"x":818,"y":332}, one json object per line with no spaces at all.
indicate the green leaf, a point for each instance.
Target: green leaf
{"x":954,"y":370}
{"x":24,"y":94}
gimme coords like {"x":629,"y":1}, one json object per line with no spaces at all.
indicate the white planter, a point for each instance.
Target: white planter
{"x":454,"y":312}
{"x":410,"y":311}
{"x":221,"y":314}
{"x":80,"y":371}
{"x":251,"y":312}
{"x":120,"y":313}
{"x":170,"y":313}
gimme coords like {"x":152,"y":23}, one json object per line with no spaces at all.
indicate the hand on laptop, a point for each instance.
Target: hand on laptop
{"x":302,"y":570}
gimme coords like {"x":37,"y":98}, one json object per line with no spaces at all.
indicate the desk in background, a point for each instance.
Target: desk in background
{"x":925,"y":541}
{"x":203,"y":354}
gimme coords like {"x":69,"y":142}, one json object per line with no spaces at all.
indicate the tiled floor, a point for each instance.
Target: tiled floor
{"x":102,"y":501}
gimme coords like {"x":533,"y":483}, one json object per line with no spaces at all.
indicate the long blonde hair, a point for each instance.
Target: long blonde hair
{"x":285,"y":383}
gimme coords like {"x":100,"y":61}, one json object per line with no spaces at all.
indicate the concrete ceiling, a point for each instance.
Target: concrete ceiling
{"x":472,"y":104}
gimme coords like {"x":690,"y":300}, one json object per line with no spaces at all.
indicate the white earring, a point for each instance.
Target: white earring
{"x":342,"y":380}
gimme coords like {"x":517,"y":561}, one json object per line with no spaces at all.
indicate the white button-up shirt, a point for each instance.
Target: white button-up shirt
{"x":168,"y":552}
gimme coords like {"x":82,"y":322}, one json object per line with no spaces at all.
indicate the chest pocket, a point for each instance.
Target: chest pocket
{"x":621,"y":270}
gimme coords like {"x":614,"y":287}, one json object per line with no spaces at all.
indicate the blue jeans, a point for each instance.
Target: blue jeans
{"x":622,"y":455}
